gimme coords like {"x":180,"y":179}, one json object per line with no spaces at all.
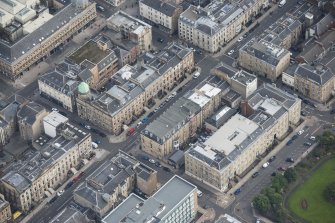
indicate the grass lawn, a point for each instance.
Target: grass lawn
{"x":318,"y":209}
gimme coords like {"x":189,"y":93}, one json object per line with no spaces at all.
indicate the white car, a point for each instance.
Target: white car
{"x":59,"y":193}
{"x":266,"y":164}
{"x":54,"y":109}
{"x":231,"y":52}
{"x":87,"y":127}
{"x":152,"y":161}
{"x":240,"y":39}
{"x":300,"y":132}
{"x":312,"y":138}
{"x":199,"y":192}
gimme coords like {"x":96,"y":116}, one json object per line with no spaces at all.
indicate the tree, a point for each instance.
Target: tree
{"x":275,"y":199}
{"x":279,"y":182}
{"x":290,"y":175}
{"x":327,"y":140}
{"x":261,"y":203}
{"x":329,"y":193}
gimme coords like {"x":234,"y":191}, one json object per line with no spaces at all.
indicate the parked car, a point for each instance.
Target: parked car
{"x":68,"y":185}
{"x":145,"y":120}
{"x":156,"y":110}
{"x":59,"y":193}
{"x":144,"y":157}
{"x":301,"y":132}
{"x":294,"y":137}
{"x":308,"y":144}
{"x":54,"y":109}
{"x":255,"y":174}
{"x":102,"y":134}
{"x":289,"y":142}
{"x":179,"y":89}
{"x":312,"y":138}
{"x":81,"y":174}
{"x":281,"y":168}
{"x":273,"y":174}
{"x":151,"y":114}
{"x":231,"y":52}
{"x":240,"y":39}
{"x":160,"y":40}
{"x":53,"y":200}
{"x":272,"y":159}
{"x":166,"y":169}
{"x":152,"y":161}
{"x":62,"y":113}
{"x":158,"y":164}
{"x":97,"y":141}
{"x":266,"y":164}
{"x":199,"y":193}
{"x":238,"y":191}
{"x":88,"y":127}
{"x":130,"y":131}
{"x":290,"y":160}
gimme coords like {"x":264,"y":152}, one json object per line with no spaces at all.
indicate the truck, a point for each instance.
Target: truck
{"x":282,"y":3}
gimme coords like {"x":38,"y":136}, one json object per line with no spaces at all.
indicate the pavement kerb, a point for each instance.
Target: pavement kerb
{"x":46,"y":200}
{"x":270,"y":154}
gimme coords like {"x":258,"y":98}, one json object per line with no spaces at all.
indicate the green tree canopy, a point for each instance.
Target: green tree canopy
{"x":279,"y":182}
{"x":261,"y":203}
{"x":291,"y":175}
{"x":327,"y":140}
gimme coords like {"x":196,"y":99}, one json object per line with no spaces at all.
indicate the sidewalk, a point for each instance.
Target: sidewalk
{"x":233,"y":41}
{"x":100,"y":154}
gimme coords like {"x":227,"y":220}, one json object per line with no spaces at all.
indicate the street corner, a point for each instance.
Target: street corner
{"x":207,"y":215}
{"x":224,"y":200}
{"x":117,"y":139}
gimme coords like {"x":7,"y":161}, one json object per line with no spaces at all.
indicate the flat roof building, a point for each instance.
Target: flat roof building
{"x":176,"y":201}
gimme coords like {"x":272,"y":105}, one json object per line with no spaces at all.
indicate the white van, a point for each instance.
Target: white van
{"x":282,"y":3}
{"x":196,"y":74}
{"x":94,"y":145}
{"x":199,"y":192}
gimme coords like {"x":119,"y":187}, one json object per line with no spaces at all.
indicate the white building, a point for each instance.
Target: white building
{"x":52,"y":122}
{"x":176,"y":201}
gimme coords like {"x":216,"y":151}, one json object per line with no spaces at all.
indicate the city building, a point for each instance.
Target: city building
{"x":131,"y":28}
{"x":264,"y":58}
{"x":219,"y":22}
{"x":240,"y":81}
{"x":5,"y":211}
{"x":25,"y":183}
{"x":176,"y":201}
{"x":220,"y":117}
{"x":162,"y":13}
{"x":53,"y":122}
{"x":133,"y":87}
{"x":269,"y":113}
{"x":70,"y":215}
{"x":232,"y":98}
{"x":288,"y":75}
{"x":285,"y":32}
{"x":98,"y":59}
{"x":8,"y":117}
{"x":31,"y":32}
{"x":171,"y":130}
{"x":316,"y":82}
{"x":30,"y":120}
{"x":113,"y":181}
{"x":61,"y":84}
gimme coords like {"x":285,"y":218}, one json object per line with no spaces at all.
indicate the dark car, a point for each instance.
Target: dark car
{"x":102,"y":134}
{"x":145,"y":120}
{"x":97,"y":141}
{"x":160,"y":40}
{"x":68,"y":185}
{"x":255,"y":174}
{"x":166,"y":169}
{"x":238,"y":191}
{"x":151,"y":114}
{"x":179,"y":89}
{"x":273,"y":174}
{"x":62,"y":113}
{"x":245,"y":35}
{"x":303,"y":113}
{"x":145,"y":157}
{"x":81,"y":174}
{"x":307,"y":144}
{"x":290,"y":160}
{"x":53,"y":200}
{"x":294,"y":137}
{"x":158,"y":164}
{"x":272,"y":159}
{"x":332,"y":111}
{"x":289,"y":142}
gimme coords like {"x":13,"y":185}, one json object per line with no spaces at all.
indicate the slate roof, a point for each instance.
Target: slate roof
{"x":166,"y":8}
{"x":319,"y":74}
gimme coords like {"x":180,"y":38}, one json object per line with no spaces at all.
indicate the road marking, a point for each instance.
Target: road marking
{"x":64,"y":203}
